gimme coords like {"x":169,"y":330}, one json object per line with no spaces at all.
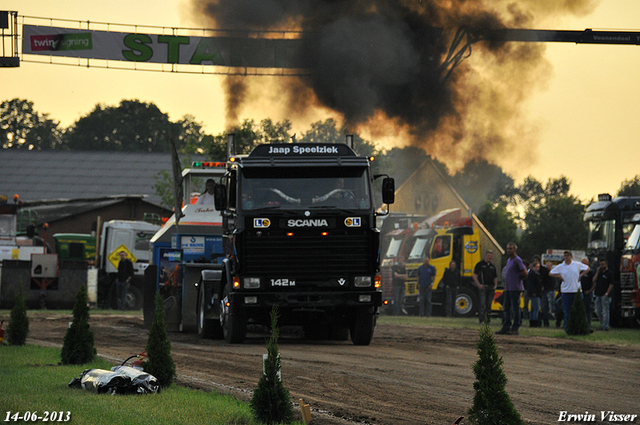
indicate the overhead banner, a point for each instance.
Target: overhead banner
{"x":162,"y":49}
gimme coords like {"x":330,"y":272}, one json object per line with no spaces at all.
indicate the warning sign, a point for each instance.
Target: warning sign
{"x":114,"y":257}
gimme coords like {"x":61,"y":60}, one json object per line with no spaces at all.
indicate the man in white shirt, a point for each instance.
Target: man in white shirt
{"x":207,"y":197}
{"x":570,"y":272}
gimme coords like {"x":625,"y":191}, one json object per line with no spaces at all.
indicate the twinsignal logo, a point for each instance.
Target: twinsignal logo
{"x":58,"y":42}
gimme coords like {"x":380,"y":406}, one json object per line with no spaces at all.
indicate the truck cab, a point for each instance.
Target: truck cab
{"x":299,"y":231}
{"x":459,"y":243}
{"x":398,"y":242}
{"x":183,"y":249}
{"x":612,"y":223}
{"x":630,"y":278}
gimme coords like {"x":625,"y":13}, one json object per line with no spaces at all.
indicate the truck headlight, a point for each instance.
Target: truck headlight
{"x":251,"y":282}
{"x":362,"y":281}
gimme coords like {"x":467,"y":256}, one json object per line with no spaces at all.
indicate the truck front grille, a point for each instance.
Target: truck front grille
{"x":627,"y":280}
{"x":315,"y":256}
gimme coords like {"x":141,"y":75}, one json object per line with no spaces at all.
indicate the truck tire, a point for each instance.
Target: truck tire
{"x":362,"y":326}
{"x":233,"y":321}
{"x":134,"y":298}
{"x":207,"y":328}
{"x":466,"y":303}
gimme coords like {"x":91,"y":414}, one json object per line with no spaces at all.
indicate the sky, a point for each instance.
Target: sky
{"x":584,"y":115}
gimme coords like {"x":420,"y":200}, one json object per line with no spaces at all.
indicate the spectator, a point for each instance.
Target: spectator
{"x":125,"y":274}
{"x":485,"y":277}
{"x":547,"y":299}
{"x":399,"y":277}
{"x":426,"y":275}
{"x":587,"y":284}
{"x":514,"y":272}
{"x":451,"y":281}
{"x":534,"y":290}
{"x":558,"y":306}
{"x":603,"y":287}
{"x":570,"y":272}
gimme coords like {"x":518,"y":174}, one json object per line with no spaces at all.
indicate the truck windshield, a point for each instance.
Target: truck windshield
{"x":601,"y":235}
{"x":7,"y":229}
{"x":420,"y":247}
{"x":304,"y":187}
{"x":394,"y":247}
{"x":633,"y":242}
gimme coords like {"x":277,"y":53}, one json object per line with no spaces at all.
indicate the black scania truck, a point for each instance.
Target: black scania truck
{"x":299,"y":231}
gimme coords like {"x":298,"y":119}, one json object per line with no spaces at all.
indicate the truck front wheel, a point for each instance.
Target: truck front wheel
{"x":466,"y":303}
{"x":362,"y":326}
{"x":233,"y":321}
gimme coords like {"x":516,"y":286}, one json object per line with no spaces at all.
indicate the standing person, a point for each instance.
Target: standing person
{"x":399,"y":277}
{"x":587,"y":285}
{"x":451,"y":280}
{"x":125,"y":274}
{"x":570,"y":272}
{"x":514,"y":272}
{"x":547,"y":299}
{"x":534,"y":289}
{"x":426,"y":274}
{"x":485,"y":277}
{"x":602,"y":290}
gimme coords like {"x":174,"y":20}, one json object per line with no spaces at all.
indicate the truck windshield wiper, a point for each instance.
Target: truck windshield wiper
{"x":331,"y":208}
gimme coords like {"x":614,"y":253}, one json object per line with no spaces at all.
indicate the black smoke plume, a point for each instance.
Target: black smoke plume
{"x":386,"y":66}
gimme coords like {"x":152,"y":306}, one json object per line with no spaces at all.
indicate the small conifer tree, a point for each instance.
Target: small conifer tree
{"x":491,"y":403}
{"x":159,"y":362}
{"x":18,"y":327}
{"x":78,"y":346}
{"x":271,"y":402}
{"x":577,"y":323}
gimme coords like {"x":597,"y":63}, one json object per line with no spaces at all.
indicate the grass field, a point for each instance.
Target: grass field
{"x":32,"y":381}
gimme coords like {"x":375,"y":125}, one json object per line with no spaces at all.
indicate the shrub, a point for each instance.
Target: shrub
{"x":271,"y":402}
{"x":491,"y":403}
{"x":159,"y":362}
{"x":577,"y":323}
{"x":78,"y":346}
{"x":18,"y":327}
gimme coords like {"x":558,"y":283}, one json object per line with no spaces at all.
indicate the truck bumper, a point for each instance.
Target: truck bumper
{"x":308,"y":300}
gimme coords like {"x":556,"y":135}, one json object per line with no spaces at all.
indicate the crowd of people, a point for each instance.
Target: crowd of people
{"x":549,"y":291}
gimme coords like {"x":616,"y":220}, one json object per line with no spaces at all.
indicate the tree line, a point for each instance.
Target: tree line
{"x":537,"y":215}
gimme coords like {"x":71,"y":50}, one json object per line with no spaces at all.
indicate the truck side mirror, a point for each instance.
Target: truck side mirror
{"x":388,"y":190}
{"x":220,"y":197}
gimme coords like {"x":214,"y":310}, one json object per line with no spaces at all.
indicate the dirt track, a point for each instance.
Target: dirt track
{"x":408,"y":375}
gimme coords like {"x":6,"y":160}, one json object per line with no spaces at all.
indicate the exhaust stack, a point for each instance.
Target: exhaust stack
{"x":231,"y":145}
